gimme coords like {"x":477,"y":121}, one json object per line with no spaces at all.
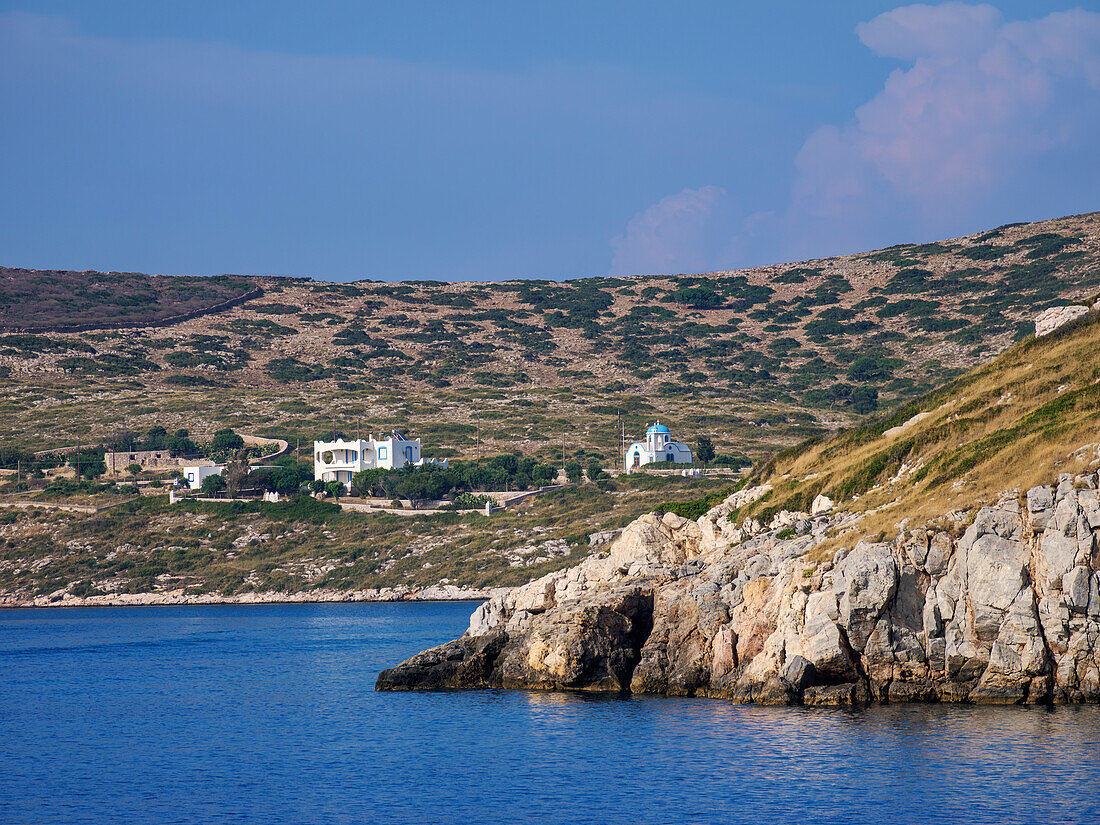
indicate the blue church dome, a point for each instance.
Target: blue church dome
{"x":658,"y":428}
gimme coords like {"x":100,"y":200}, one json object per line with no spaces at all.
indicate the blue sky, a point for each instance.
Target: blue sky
{"x":494,"y":140}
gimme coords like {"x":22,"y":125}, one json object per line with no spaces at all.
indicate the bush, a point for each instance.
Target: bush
{"x":700,"y":297}
{"x":190,"y":381}
{"x":872,"y":367}
{"x":291,"y":369}
{"x":595,"y":471}
{"x":226,"y":440}
{"x":469,"y":501}
{"x":864,"y":399}
{"x":573,"y":472}
{"x":212,"y":485}
{"x":694,"y":509}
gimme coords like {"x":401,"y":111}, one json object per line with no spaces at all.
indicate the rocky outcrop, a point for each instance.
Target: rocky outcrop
{"x":1050,"y":319}
{"x":1001,"y":607}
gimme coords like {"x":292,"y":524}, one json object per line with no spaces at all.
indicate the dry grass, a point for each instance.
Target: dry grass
{"x":1016,"y":422}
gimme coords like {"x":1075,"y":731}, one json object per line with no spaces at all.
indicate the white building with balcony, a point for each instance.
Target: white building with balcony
{"x":339,"y":460}
{"x":658,"y":446}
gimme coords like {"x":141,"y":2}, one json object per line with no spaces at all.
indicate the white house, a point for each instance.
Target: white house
{"x":196,"y":474}
{"x":658,"y":446}
{"x":339,"y":460}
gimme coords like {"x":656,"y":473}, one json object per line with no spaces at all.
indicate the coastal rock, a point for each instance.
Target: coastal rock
{"x":584,"y":647}
{"x":1007,"y":613}
{"x":866,"y":579}
{"x":464,"y":663}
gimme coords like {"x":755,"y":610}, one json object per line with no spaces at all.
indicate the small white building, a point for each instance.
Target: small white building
{"x":196,"y":474}
{"x":339,"y":460}
{"x":658,"y":446}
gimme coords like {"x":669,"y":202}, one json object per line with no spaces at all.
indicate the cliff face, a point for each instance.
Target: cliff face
{"x":1001,"y":606}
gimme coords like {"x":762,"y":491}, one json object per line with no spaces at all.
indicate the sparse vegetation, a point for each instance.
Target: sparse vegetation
{"x":757,"y":361}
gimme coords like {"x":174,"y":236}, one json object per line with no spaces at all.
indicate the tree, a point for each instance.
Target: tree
{"x":573,"y":472}
{"x":288,"y":480}
{"x":212,"y":485}
{"x":704,"y":450}
{"x":335,"y":488}
{"x":134,"y":469}
{"x":91,"y":465}
{"x":226,"y":440}
{"x":864,"y":399}
{"x":236,"y":472}
{"x":595,"y":471}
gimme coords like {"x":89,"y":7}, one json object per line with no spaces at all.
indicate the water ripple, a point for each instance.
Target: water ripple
{"x":267,"y":714}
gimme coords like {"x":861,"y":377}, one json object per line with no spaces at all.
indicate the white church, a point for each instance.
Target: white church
{"x":658,"y":446}
{"x":339,"y":460}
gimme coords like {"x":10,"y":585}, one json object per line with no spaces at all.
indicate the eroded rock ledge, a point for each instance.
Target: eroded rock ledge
{"x":1005,"y":609}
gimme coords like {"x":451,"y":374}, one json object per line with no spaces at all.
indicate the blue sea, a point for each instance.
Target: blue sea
{"x":267,"y":714}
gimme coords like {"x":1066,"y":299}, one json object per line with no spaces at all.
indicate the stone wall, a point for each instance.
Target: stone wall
{"x":148,"y":459}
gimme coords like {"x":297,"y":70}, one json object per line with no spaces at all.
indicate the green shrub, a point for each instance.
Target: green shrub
{"x":291,"y":369}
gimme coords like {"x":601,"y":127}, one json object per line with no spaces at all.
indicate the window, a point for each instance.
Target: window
{"x":382,"y":453}
{"x":190,"y":476}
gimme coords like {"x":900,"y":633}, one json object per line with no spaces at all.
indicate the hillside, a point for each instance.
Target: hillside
{"x":144,"y":548}
{"x":1026,"y":417}
{"x":757,"y":359}
{"x":34,"y":300}
{"x":957,"y":562}
{"x":377,"y":355}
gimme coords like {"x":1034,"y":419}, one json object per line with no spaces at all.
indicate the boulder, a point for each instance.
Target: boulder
{"x":464,"y":663}
{"x":865,"y":580}
{"x":798,"y":673}
{"x":1050,"y":319}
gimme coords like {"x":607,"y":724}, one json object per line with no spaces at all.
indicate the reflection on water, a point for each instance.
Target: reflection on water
{"x":268,"y":714}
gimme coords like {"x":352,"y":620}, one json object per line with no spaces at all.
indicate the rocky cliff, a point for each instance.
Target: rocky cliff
{"x":996,"y":605}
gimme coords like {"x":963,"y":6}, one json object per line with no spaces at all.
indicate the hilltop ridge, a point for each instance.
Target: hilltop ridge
{"x":797,"y":349}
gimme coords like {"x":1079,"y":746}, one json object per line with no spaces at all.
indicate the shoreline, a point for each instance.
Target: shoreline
{"x":446,"y":593}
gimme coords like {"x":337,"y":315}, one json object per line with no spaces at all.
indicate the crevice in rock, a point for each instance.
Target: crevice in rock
{"x":641,"y":627}
{"x":1032,"y":541}
{"x":856,"y":660}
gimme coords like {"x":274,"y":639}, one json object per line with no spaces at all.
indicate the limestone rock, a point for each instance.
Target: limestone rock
{"x":1050,"y":319}
{"x":866,"y":579}
{"x":463,"y":663}
{"x":798,"y":673}
{"x":1008,"y":613}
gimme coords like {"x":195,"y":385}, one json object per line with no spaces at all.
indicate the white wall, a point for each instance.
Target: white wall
{"x":194,"y":476}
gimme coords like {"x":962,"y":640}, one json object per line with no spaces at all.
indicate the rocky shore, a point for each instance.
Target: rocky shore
{"x":996,"y":605}
{"x":440,"y":593}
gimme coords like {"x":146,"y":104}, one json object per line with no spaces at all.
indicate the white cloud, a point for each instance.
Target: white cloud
{"x":982,"y":101}
{"x":987,"y":121}
{"x":917,"y":31}
{"x":672,"y":235}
